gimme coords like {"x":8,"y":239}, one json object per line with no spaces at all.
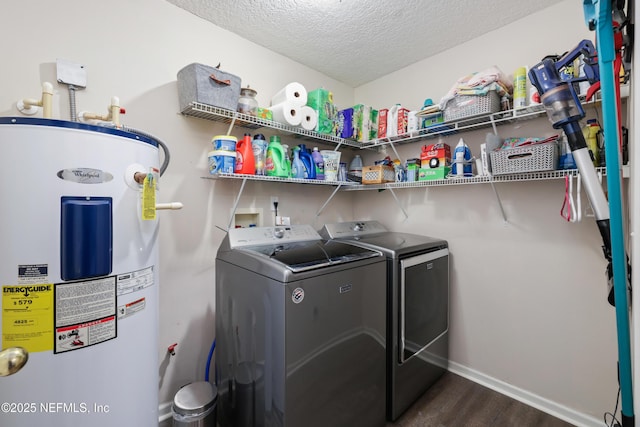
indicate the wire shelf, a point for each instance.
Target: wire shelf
{"x":280,"y":180}
{"x":208,"y":112}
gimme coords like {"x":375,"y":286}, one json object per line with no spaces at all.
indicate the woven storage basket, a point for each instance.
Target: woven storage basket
{"x":533,"y":158}
{"x":378,"y":174}
{"x":462,"y":106}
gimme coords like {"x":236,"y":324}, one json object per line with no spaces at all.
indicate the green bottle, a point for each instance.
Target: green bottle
{"x":276,"y":161}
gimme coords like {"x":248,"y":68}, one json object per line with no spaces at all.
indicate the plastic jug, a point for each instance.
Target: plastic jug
{"x":355,"y":167}
{"x":307,"y":161}
{"x":297,"y":167}
{"x":276,"y":160}
{"x":259,"y":145}
{"x":245,"y":162}
{"x":318,"y":163}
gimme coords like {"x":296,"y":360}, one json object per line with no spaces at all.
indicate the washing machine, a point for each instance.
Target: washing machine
{"x":417,"y":310}
{"x":300,"y":330}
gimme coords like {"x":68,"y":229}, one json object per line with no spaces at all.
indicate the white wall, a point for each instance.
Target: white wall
{"x":133,"y":50}
{"x":528,"y":296}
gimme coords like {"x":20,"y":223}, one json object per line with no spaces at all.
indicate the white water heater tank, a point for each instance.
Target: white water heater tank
{"x":79,"y":275}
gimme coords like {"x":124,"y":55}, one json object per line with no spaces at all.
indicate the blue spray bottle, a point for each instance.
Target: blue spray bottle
{"x":461,"y":160}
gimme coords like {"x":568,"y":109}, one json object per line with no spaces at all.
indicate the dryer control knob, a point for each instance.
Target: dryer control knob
{"x":278,"y":233}
{"x":358,"y":226}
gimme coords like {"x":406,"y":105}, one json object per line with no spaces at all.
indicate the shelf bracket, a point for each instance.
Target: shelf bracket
{"x":235,"y":204}
{"x":233,"y":122}
{"x":393,"y":193}
{"x":504,"y":216}
{"x":328,"y":200}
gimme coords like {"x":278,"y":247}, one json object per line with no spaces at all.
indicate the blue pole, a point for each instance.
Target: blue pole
{"x":599,"y":12}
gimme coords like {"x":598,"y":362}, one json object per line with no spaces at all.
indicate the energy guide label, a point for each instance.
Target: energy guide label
{"x":27,"y":316}
{"x":135,"y":280}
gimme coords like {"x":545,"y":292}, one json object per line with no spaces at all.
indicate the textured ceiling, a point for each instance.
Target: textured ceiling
{"x":357,"y":41}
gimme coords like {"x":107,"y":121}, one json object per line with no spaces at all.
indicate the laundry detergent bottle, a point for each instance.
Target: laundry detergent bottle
{"x":318,"y":163}
{"x":307,"y":161}
{"x":276,"y":161}
{"x":297,"y":167}
{"x":245,"y":161}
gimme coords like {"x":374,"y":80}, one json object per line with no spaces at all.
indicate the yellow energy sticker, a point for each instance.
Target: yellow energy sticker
{"x":149,"y":198}
{"x":27,"y":317}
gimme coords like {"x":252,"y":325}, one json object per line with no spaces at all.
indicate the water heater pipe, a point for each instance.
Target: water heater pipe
{"x":112,"y":116}
{"x":28,"y":106}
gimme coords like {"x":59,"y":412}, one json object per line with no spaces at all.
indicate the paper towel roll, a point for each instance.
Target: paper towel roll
{"x":293,"y":92}
{"x":309,"y":118}
{"x":286,"y":113}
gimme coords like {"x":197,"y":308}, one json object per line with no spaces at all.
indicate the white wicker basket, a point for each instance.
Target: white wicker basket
{"x":532,"y":158}
{"x":462,"y":106}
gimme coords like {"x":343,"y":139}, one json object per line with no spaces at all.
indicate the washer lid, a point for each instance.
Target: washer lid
{"x":304,"y":256}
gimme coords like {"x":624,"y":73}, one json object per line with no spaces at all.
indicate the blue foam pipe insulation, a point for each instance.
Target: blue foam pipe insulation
{"x":599,"y":12}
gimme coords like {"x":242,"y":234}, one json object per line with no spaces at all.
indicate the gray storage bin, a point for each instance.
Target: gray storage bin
{"x":207,"y":85}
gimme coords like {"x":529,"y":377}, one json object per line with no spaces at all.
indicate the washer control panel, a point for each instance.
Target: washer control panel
{"x":341,"y":230}
{"x":256,"y":236}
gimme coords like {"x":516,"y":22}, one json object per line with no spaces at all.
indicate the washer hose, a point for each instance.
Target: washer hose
{"x":206,"y":370}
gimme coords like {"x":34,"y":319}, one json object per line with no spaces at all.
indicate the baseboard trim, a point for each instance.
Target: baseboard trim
{"x":564,"y":413}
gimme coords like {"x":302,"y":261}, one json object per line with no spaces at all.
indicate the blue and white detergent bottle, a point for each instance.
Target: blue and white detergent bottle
{"x":461,"y":160}
{"x":297,"y":167}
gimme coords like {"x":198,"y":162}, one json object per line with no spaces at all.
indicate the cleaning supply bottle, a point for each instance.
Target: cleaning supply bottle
{"x":355,"y":167}
{"x":590,"y":132}
{"x":318,"y":163}
{"x":245,"y":162}
{"x":259,"y":145}
{"x":462,"y":160}
{"x":520,"y":88}
{"x":287,"y":157}
{"x":307,"y":161}
{"x":276,"y":162}
{"x":297,"y":167}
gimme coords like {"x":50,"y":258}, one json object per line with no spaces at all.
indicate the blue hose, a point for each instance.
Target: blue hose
{"x":206,"y":370}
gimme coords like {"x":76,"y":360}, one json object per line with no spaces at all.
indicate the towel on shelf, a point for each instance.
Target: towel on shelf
{"x":480,"y":83}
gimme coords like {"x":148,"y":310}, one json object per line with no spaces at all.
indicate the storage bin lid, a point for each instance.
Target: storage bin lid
{"x":195,"y":398}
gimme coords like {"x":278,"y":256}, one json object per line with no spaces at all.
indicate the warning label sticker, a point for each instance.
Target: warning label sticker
{"x":134,"y":281}
{"x":33,"y":273}
{"x":73,"y":337}
{"x":27,"y":317}
{"x":131,"y":308}
{"x":85,"y":313}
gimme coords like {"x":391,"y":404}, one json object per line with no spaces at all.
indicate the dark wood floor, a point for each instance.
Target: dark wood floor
{"x":455,"y":401}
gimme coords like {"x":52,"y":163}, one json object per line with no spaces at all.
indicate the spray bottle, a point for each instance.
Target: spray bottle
{"x":462,"y":160}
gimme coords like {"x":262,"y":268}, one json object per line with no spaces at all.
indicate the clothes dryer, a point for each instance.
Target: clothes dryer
{"x":417,"y":312}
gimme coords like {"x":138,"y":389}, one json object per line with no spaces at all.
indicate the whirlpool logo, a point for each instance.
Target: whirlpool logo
{"x":85,"y":175}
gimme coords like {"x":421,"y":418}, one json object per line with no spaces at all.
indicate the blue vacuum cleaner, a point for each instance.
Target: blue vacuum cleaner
{"x":565,"y":111}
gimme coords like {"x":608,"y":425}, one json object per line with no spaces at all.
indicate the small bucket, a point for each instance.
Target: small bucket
{"x":224,"y":142}
{"x":222,"y":161}
{"x":194,"y":405}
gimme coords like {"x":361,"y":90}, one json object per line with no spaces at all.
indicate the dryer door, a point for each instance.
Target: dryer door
{"x":424,"y":301}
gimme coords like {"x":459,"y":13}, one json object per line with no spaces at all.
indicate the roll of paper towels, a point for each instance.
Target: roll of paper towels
{"x":293,"y":92}
{"x":309,"y":118}
{"x":286,"y":113}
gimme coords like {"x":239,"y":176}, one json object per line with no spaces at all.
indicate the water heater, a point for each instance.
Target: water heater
{"x":79,"y":274}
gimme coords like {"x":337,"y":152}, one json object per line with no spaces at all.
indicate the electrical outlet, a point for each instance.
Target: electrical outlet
{"x":274,"y":199}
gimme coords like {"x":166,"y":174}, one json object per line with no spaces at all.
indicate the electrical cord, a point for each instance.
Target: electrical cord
{"x":613,"y":415}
